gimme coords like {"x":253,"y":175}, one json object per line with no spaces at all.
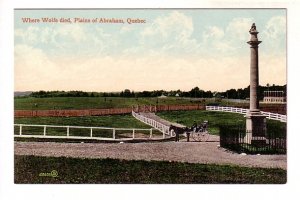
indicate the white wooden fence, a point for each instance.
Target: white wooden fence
{"x":44,"y":134}
{"x":155,"y":124}
{"x":269,"y":115}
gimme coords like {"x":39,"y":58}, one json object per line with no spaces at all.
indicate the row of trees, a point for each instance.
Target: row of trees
{"x":245,"y":92}
{"x":196,"y":92}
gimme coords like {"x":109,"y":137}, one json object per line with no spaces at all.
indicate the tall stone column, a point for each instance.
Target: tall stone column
{"x":254,"y":75}
{"x":255,"y":121}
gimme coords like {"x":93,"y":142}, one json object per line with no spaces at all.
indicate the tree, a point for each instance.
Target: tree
{"x":127,"y":93}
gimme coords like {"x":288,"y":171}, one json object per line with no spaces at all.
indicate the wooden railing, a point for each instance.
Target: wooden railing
{"x":155,"y":124}
{"x":273,"y":116}
{"x":64,"y":132}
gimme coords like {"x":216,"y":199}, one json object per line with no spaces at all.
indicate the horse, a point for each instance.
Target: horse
{"x":178,"y":131}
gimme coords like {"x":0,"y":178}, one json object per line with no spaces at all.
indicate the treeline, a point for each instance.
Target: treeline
{"x":193,"y":93}
{"x":245,"y":92}
{"x":196,"y":92}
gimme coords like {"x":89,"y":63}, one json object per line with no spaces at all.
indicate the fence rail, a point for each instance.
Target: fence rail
{"x":104,"y":111}
{"x":71,"y":113}
{"x":65,"y":132}
{"x":157,"y":125}
{"x":269,"y":115}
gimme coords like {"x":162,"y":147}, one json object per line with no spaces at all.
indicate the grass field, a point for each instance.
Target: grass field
{"x":114,"y":121}
{"x":92,"y":102}
{"x":214,"y":118}
{"x":117,"y":121}
{"x":127,"y":121}
{"x":68,"y":103}
{"x":32,"y":169}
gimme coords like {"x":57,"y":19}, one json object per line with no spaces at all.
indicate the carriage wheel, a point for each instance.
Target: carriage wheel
{"x":200,"y":136}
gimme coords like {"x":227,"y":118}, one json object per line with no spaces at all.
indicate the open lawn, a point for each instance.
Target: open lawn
{"x":31,"y":103}
{"x":33,"y":169}
{"x":114,"y":121}
{"x":215,"y":119}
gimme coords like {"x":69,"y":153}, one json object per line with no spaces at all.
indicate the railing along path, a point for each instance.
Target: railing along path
{"x":269,"y":115}
{"x":155,"y":124}
{"x":66,"y":133}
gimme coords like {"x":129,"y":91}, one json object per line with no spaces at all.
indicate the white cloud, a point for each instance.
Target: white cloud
{"x":213,"y":33}
{"x":70,"y":39}
{"x":166,"y":26}
{"x":73,"y":31}
{"x":126,"y":29}
{"x":31,"y":35}
{"x":228,"y":40}
{"x":276,"y":27}
{"x":170,"y":33}
{"x":33,"y":68}
{"x":274,"y":36}
{"x":237,"y":29}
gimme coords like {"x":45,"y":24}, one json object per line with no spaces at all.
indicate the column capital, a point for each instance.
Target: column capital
{"x":254,"y":42}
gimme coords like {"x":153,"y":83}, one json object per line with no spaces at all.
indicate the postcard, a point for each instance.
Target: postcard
{"x":148,"y":101}
{"x":150,"y":96}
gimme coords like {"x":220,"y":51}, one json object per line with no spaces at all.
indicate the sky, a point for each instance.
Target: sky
{"x":173,"y":49}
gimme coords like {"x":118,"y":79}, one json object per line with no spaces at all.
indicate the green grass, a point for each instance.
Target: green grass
{"x":127,"y":121}
{"x":215,"y":119}
{"x":114,"y":121}
{"x":31,"y":103}
{"x":76,"y":170}
{"x":186,"y":118}
{"x":117,"y":121}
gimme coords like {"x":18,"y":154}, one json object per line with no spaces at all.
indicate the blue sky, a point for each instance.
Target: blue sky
{"x":174,"y":49}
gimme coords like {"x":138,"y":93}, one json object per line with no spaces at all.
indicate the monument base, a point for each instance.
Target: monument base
{"x":255,"y":129}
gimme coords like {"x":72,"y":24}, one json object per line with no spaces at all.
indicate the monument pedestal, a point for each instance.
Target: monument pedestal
{"x":256,"y":128}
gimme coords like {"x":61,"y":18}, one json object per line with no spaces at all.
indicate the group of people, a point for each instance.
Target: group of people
{"x":202,"y":127}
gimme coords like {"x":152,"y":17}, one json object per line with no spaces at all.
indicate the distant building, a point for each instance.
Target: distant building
{"x":274,"y":97}
{"x":162,"y":96}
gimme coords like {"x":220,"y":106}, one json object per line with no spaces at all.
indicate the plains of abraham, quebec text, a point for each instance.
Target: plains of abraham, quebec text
{"x":77,"y":20}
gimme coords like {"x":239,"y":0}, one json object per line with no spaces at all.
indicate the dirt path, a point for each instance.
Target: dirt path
{"x":191,"y":152}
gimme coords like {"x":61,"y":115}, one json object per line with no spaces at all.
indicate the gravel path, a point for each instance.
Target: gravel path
{"x":192,"y":152}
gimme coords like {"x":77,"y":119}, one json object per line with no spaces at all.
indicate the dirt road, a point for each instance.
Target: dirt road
{"x":192,"y":152}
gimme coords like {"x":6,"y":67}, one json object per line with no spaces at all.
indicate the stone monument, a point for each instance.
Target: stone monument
{"x":255,"y":121}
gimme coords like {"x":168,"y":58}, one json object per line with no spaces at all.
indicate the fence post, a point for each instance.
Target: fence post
{"x":45,"y":130}
{"x":114,"y":133}
{"x":68,"y":131}
{"x":91,"y":132}
{"x":133,"y":132}
{"x":150,"y":132}
{"x":20,"y":129}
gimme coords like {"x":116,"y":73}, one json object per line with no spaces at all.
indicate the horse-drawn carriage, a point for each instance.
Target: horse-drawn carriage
{"x":196,"y":132}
